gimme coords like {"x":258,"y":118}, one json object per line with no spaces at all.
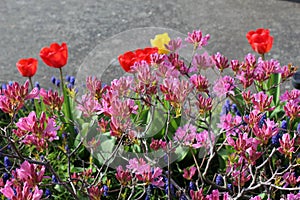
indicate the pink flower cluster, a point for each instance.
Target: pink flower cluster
{"x":13,"y":97}
{"x":24,"y":182}
{"x":36,"y":131}
{"x":144,"y":172}
{"x":188,"y":136}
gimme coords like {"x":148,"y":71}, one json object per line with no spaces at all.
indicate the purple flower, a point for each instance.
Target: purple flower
{"x":7,"y":163}
{"x":219,"y":180}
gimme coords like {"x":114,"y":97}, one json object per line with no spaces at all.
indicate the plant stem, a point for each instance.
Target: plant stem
{"x":66,"y":99}
{"x":30,"y":81}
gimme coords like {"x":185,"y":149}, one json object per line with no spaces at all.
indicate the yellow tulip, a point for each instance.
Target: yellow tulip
{"x":159,"y":41}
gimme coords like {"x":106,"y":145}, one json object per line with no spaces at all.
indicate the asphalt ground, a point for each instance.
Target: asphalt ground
{"x":96,"y":31}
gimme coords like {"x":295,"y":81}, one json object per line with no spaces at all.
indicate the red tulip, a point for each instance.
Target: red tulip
{"x":27,"y":66}
{"x":260,"y":40}
{"x":128,"y":59}
{"x":56,"y":55}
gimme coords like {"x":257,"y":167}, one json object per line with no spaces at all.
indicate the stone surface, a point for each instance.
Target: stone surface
{"x":87,"y":26}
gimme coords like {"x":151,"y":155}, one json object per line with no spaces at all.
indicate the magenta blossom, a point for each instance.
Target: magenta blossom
{"x":185,"y":135}
{"x":230,"y":123}
{"x":52,"y":99}
{"x":189,"y":173}
{"x":292,"y":110}
{"x":37,"y":131}
{"x":95,"y":192}
{"x":220,"y":61}
{"x":174,"y":45}
{"x":268,"y":130}
{"x":158,"y":144}
{"x":145,"y":173}
{"x":14,"y":96}
{"x":30,"y":173}
{"x":204,"y":104}
{"x":202,"y":61}
{"x":287,"y":145}
{"x":17,"y":192}
{"x":123,"y":177}
{"x":262,"y":102}
{"x":88,"y":105}
{"x":224,"y":86}
{"x":293,"y":95}
{"x":200,"y":82}
{"x":197,"y":39}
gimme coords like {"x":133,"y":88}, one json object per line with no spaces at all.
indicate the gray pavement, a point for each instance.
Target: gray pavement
{"x":88,"y":26}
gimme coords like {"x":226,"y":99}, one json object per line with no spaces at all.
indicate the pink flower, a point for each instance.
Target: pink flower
{"x":204,"y":139}
{"x":88,"y":105}
{"x":287,"y":71}
{"x":204,"y":104}
{"x":230,"y":124}
{"x":145,"y":81}
{"x":179,"y":64}
{"x":24,"y":183}
{"x":200,"y":82}
{"x":95,"y":192}
{"x":241,"y":143}
{"x":240,"y":176}
{"x":287,"y":145}
{"x":247,"y":96}
{"x":265,"y":68}
{"x":95,"y":87}
{"x":122,"y":85}
{"x":37,"y":131}
{"x":224,"y":86}
{"x":166,"y":70}
{"x":253,"y":118}
{"x":185,"y":135}
{"x":235,"y":66}
{"x":151,"y":176}
{"x":197,"y":39}
{"x":174,"y":45}
{"x":246,"y":78}
{"x":292,"y":110}
{"x":14,"y":97}
{"x":197,"y":195}
{"x":255,"y":198}
{"x":157,"y":59}
{"x":293,"y":95}
{"x":30,"y":173}
{"x":290,"y":179}
{"x":52,"y":99}
{"x":189,"y":173}
{"x":176,"y":91}
{"x":292,"y":196}
{"x":262,"y":102}
{"x":268,"y":129}
{"x":213,"y":196}
{"x":137,"y":165}
{"x":253,"y":153}
{"x":123,"y":177}
{"x":202,"y":61}
{"x":220,"y":61}
{"x":158,"y":144}
{"x":145,"y":173}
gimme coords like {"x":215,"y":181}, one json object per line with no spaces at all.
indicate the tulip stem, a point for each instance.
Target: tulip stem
{"x":66,"y":98}
{"x":30,"y":81}
{"x":263,"y":56}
